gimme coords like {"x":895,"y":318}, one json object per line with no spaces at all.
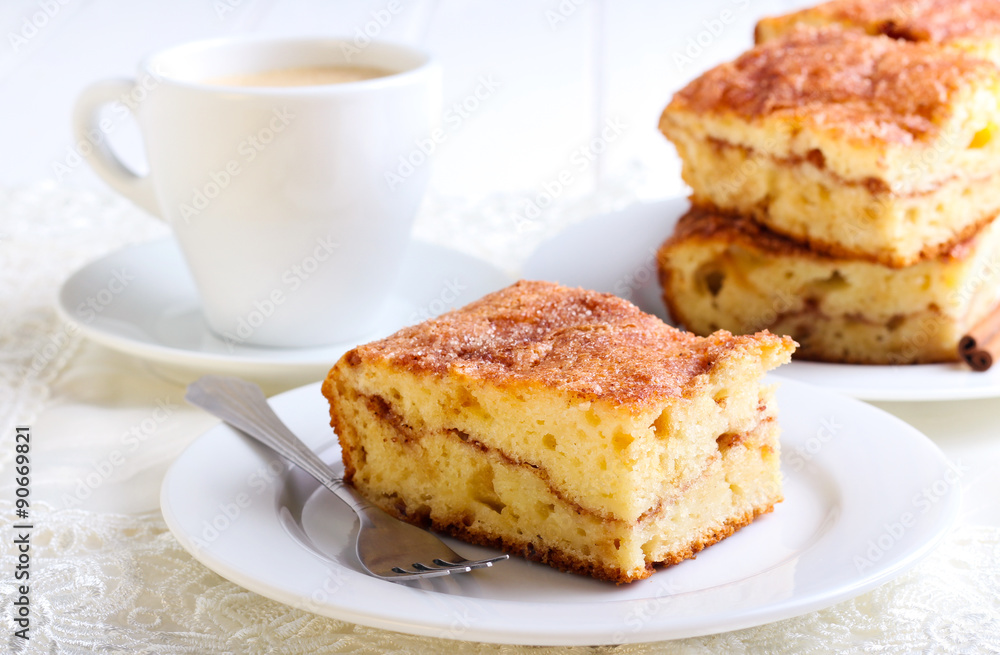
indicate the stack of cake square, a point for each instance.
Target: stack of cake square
{"x":845,"y":183}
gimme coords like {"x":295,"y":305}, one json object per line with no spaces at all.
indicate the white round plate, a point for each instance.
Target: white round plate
{"x":616,"y":253}
{"x":141,"y":300}
{"x":866,"y":497}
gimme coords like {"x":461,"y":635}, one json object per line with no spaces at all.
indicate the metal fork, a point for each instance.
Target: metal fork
{"x":387,"y":548}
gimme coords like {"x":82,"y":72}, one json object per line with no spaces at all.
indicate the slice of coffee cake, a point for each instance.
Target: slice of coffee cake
{"x":726,"y":271}
{"x":861,"y":146}
{"x":565,"y":426}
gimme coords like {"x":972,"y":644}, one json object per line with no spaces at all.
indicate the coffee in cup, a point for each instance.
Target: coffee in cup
{"x":302,"y":76}
{"x":270,"y":160}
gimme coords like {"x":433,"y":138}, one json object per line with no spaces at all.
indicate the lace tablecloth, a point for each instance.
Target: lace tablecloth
{"x":107,"y":575}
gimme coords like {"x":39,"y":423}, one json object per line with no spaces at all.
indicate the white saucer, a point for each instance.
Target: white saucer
{"x":848,"y":523}
{"x":616,"y":253}
{"x":142,"y":301}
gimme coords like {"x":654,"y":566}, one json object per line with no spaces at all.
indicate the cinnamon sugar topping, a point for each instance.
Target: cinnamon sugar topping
{"x":914,"y":20}
{"x":861,"y":87}
{"x":539,"y":333}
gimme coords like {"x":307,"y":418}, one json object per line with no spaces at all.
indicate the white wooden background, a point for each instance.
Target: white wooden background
{"x":564,"y":69}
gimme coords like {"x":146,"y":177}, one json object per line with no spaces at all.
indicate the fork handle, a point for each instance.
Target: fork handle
{"x":243,"y":405}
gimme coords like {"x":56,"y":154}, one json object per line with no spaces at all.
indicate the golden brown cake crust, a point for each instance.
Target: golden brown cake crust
{"x":862,"y":88}
{"x":594,"y":345}
{"x":710,"y":224}
{"x":914,"y":20}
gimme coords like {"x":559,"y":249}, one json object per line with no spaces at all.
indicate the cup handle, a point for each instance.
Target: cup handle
{"x":137,"y":188}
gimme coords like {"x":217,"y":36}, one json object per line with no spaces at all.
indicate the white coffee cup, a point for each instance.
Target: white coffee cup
{"x":287,"y":202}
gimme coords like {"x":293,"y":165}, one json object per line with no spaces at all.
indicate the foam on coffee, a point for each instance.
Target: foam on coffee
{"x":301,"y":76}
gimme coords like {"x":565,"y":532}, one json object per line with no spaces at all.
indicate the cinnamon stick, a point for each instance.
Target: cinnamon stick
{"x":981,"y":346}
